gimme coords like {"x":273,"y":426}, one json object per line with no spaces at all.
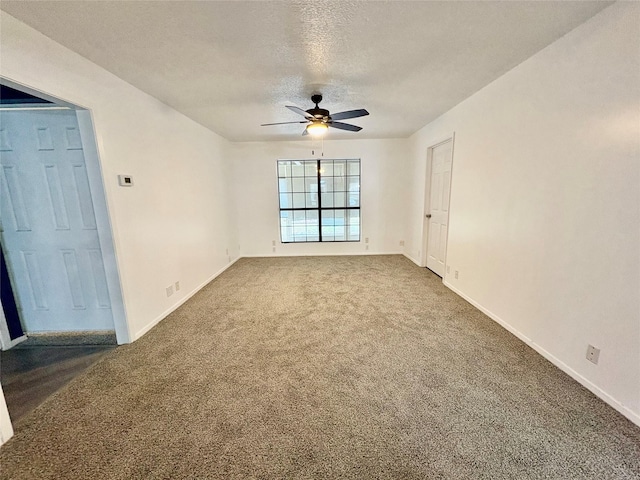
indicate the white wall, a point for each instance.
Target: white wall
{"x":383,"y":180}
{"x":175,"y":224}
{"x":545,"y":202}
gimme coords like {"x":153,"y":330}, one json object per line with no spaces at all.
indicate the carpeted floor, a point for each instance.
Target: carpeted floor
{"x":324,"y":367}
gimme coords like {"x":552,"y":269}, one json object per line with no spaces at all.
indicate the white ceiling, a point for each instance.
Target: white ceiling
{"x":234,"y":65}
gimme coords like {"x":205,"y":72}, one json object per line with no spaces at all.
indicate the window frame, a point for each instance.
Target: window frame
{"x":319,"y":208}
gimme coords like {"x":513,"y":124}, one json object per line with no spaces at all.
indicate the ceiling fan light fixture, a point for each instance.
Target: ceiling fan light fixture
{"x":317,"y":129}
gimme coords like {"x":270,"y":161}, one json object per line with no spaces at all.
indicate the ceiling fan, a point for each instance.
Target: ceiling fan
{"x":318,"y":119}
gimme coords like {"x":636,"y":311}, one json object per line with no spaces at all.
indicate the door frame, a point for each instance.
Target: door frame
{"x":5,"y":339}
{"x":427,"y":199}
{"x":95,"y":176}
{"x":6,"y":342}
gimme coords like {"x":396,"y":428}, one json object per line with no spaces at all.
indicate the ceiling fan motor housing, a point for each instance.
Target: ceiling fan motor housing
{"x":317,"y":112}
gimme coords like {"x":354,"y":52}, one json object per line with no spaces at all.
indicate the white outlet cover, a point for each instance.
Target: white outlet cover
{"x":593,"y":354}
{"x":125,"y":180}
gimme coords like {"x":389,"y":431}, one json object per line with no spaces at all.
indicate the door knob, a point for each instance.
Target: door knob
{"x":428,"y":215}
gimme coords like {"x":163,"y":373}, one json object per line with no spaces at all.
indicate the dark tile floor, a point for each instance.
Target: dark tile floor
{"x":30,"y":374}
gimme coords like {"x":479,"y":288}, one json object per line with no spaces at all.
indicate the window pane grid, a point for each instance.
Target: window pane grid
{"x":319,"y":200}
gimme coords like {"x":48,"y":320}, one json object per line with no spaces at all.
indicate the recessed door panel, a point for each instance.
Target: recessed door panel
{"x":446,"y":186}
{"x":35,"y":281}
{"x":5,"y":144}
{"x":83,"y":197}
{"x":56,"y":200}
{"x":13,"y":200}
{"x":99,"y":278}
{"x":72,"y":137}
{"x":73,"y":278}
{"x":45,"y":142}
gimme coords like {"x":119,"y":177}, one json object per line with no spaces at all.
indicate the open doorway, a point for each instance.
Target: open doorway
{"x":56,"y":240}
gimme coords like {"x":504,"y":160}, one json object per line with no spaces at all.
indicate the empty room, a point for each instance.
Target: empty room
{"x":328,"y":239}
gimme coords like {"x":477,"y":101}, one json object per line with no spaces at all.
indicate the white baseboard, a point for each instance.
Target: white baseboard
{"x":164,"y":314}
{"x":5,"y":337}
{"x":342,"y":254}
{"x":13,"y":343}
{"x":597,"y":391}
{"x":412,"y":259}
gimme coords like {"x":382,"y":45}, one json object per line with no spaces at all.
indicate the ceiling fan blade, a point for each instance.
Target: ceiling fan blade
{"x":299,"y":111}
{"x":349,"y":114}
{"x":344,"y":126}
{"x":281,"y":123}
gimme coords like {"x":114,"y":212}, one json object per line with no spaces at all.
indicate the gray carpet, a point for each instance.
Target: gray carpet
{"x":332,"y":367}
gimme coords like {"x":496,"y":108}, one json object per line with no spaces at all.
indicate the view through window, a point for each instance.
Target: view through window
{"x":319,"y":200}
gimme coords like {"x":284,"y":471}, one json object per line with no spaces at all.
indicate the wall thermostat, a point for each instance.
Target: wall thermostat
{"x":125,"y":180}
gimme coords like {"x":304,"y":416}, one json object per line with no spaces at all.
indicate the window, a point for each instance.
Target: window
{"x":319,"y":200}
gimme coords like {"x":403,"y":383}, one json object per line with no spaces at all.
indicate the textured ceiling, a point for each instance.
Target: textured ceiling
{"x":234,"y":65}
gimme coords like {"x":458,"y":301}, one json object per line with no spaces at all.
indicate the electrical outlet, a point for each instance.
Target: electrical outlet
{"x":125,"y":180}
{"x":456,"y":274}
{"x":274,"y":249}
{"x":366,"y":247}
{"x":169,"y":291}
{"x":366,"y":240}
{"x":273,"y":243}
{"x":177,"y":285}
{"x":593,"y":354}
{"x":402,"y":243}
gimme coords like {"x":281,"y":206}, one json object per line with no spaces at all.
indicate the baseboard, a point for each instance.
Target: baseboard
{"x":412,"y":259}
{"x":167,"y":312}
{"x":347,"y":254}
{"x":14,"y":342}
{"x":597,"y":391}
{"x":67,"y":339}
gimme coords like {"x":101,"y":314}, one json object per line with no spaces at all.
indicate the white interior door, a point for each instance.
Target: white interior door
{"x":48,"y":223}
{"x":441,"y":159}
